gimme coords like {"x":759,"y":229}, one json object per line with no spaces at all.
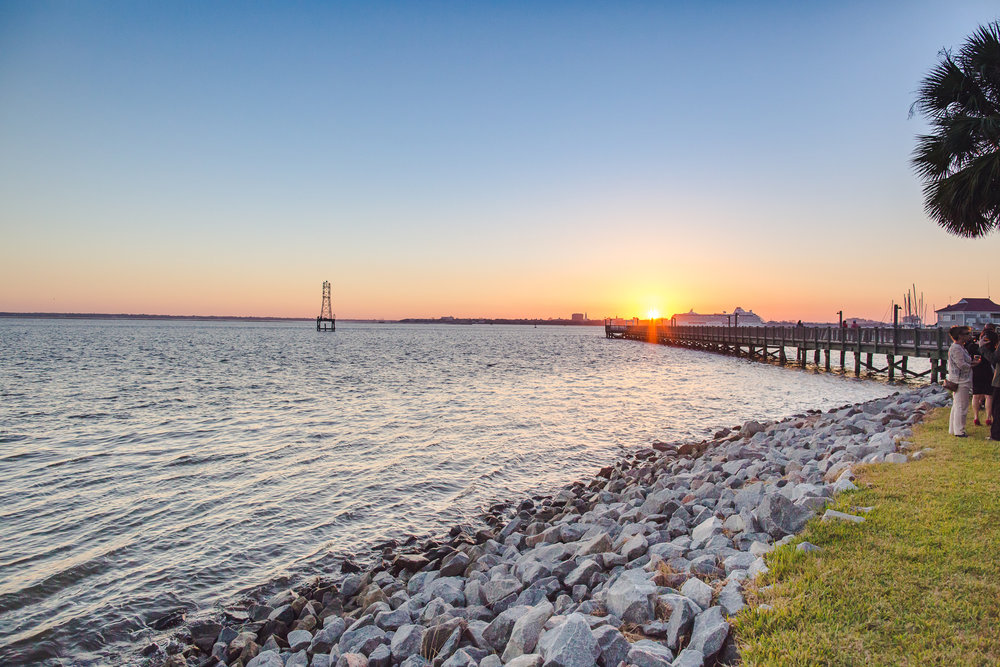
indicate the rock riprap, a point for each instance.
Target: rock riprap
{"x":643,"y":565}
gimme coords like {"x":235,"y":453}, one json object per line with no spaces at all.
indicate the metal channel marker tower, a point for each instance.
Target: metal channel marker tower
{"x":326,"y":320}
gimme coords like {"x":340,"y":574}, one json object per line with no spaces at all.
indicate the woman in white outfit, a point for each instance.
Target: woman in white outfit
{"x":960,"y":372}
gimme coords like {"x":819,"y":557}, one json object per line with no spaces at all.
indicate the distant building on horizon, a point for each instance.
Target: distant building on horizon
{"x":577,"y":317}
{"x":969,"y":312}
{"x":743,"y":318}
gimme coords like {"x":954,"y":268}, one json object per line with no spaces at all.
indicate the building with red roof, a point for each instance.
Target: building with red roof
{"x":969,"y":312}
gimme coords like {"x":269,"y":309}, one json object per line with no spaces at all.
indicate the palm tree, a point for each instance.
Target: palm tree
{"x":960,"y":161}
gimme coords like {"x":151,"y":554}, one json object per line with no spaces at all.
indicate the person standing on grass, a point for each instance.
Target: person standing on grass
{"x":960,"y":365}
{"x":982,"y":377}
{"x":989,"y":347}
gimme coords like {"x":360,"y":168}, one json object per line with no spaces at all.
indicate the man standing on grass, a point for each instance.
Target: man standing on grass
{"x":960,"y":372}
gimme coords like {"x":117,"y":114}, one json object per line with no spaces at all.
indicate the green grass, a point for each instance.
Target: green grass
{"x":917,"y":584}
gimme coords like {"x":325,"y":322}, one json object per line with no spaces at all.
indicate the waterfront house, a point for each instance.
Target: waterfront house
{"x":970,"y":312}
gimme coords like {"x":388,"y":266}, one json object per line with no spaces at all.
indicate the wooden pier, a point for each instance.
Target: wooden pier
{"x":772,"y":344}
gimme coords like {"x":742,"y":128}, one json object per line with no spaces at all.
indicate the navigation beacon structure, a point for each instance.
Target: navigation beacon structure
{"x":326,"y":320}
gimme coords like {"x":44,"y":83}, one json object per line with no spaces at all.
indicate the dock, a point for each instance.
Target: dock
{"x":772,"y":344}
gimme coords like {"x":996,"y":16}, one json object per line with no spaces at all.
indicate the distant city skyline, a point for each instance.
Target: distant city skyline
{"x":475,"y":159}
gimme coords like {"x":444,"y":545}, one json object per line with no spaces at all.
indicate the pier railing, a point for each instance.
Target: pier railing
{"x":766,"y":343}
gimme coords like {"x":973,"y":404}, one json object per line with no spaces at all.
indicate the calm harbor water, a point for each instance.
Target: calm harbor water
{"x":153,"y":467}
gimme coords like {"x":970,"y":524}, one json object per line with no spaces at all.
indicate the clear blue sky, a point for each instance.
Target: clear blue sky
{"x":471,"y":158}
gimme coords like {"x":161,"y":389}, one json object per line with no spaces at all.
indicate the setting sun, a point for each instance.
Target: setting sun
{"x":652,"y":314}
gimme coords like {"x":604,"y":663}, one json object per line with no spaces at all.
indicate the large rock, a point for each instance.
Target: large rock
{"x":362,"y":640}
{"x":524,"y":634}
{"x":499,"y":588}
{"x":778,"y":516}
{"x":689,"y":657}
{"x":598,"y":544}
{"x":740,"y":561}
{"x":410,"y":562}
{"x":710,"y":630}
{"x":380,"y":657}
{"x":634,"y":547}
{"x":406,"y":641}
{"x":527,"y":660}
{"x":454,"y":564}
{"x":335,"y":626}
{"x":646,"y":653}
{"x":631,"y":601}
{"x":582,"y":574}
{"x":390,"y":620}
{"x":442,"y":639}
{"x":706,"y":529}
{"x":731,"y":598}
{"x":299,"y":639}
{"x":682,"y":614}
{"x":449,"y":589}
{"x":570,"y":644}
{"x":698,"y":591}
{"x":266,"y":659}
{"x":613,"y":645}
{"x":460,"y":658}
{"x":497,"y":633}
{"x":834,"y":515}
{"x":352,"y":660}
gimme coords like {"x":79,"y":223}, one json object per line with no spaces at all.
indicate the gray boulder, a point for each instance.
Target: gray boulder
{"x":731,"y":598}
{"x":778,"y":516}
{"x":582,"y":574}
{"x":570,"y":644}
{"x":415,"y":661}
{"x":266,"y":659}
{"x":497,"y":633}
{"x":682,"y":614}
{"x":527,"y":660}
{"x":631,"y":601}
{"x":698,"y":591}
{"x":362,"y":640}
{"x":335,"y":626}
{"x":834,"y":515}
{"x":595,"y":545}
{"x":299,"y":639}
{"x":613,"y":645}
{"x":706,"y":529}
{"x":406,"y":641}
{"x":740,"y":561}
{"x":390,"y":620}
{"x":497,"y":589}
{"x":710,"y":630}
{"x":648,"y":653}
{"x":524,"y":634}
{"x":634,"y":547}
{"x":689,"y":657}
{"x":460,"y":658}
{"x":449,"y":589}
{"x":454,"y":564}
{"x":380,"y":657}
{"x":352,"y":660}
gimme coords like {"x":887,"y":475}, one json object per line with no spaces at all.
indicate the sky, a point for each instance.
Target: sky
{"x":473,"y":159}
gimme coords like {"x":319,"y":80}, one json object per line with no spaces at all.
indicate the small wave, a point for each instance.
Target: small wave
{"x":198,"y":459}
{"x":90,"y":415}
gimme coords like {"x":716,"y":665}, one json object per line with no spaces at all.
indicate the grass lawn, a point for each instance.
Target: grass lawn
{"x":917,"y":584}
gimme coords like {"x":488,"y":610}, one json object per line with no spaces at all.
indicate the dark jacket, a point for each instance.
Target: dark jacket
{"x":990,"y":353}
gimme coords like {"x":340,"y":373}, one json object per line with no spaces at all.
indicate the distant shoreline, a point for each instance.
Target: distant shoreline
{"x":235,"y":318}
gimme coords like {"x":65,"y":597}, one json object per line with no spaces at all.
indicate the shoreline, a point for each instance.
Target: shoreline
{"x":638,"y":552}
